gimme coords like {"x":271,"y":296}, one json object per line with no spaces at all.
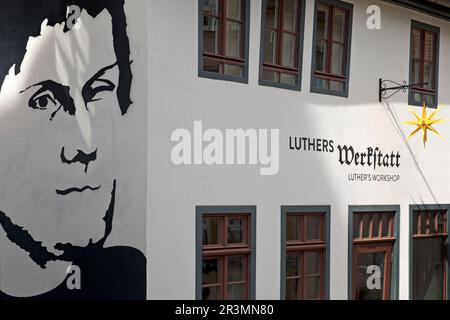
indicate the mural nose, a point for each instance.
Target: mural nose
{"x":80,"y":157}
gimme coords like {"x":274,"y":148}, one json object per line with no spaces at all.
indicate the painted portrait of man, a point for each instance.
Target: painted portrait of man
{"x":66,"y":79}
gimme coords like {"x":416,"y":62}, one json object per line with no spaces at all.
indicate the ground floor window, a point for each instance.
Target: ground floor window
{"x":429,"y":253}
{"x":305,"y":247}
{"x":225,"y":249}
{"x":373,"y":248}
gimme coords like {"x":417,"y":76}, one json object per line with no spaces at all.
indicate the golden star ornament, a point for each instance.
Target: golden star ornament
{"x":424,"y":123}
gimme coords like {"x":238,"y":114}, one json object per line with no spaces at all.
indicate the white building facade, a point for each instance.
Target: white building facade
{"x":339,"y":219}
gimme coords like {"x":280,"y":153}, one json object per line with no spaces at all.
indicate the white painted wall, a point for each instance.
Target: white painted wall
{"x":178,"y":97}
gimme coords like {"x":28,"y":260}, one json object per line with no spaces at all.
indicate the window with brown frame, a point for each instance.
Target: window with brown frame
{"x":226,"y":257}
{"x":424,"y":64}
{"x":282,"y":42}
{"x":332,"y":45}
{"x":429,"y":269}
{"x":373,"y":243}
{"x":224,"y":38}
{"x":305,"y":256}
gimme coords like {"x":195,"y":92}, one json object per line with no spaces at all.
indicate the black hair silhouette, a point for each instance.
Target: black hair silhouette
{"x":22,"y":19}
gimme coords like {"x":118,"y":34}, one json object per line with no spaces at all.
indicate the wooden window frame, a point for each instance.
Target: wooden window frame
{"x":327,"y":75}
{"x":373,"y":244}
{"x":394,"y":239}
{"x":223,"y":250}
{"x":221,"y":57}
{"x":427,"y":235}
{"x":279,"y":67}
{"x":424,"y":28}
{"x":304,"y":245}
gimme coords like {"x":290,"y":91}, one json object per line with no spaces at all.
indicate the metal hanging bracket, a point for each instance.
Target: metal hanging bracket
{"x":395,"y":86}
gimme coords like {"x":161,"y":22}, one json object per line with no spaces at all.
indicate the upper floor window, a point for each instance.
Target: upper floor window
{"x":223,"y":39}
{"x":331,"y":47}
{"x":282,"y":43}
{"x":424,"y":64}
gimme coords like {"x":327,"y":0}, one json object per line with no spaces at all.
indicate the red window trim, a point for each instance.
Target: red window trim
{"x":278,"y":66}
{"x":222,"y":18}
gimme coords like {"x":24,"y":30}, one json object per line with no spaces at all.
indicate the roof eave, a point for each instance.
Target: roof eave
{"x":429,"y":8}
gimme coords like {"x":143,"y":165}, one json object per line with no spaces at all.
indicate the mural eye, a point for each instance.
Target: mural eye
{"x":43,"y":101}
{"x":94,"y":91}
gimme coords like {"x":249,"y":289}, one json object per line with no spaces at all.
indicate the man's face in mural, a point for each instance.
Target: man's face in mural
{"x":59,"y":115}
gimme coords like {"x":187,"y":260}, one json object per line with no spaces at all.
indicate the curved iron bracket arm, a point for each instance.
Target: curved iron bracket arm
{"x":383,"y":89}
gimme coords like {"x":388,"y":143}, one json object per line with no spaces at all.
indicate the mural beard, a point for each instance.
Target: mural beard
{"x":41,"y":254}
{"x":61,"y":116}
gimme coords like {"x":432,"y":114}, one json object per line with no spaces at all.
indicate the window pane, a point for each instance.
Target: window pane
{"x":288,"y":79}
{"x":321,"y":55}
{"x":289,"y":50}
{"x":417,"y":98}
{"x":235,"y":292}
{"x":211,"y":35}
{"x":290,"y":15}
{"x":234,"y":8}
{"x":366,"y":225}
{"x":416,"y":43}
{"x":430,"y":100}
{"x":337,"y":85}
{"x":294,"y":228}
{"x":385,"y":225}
{"x":423,"y":222}
{"x":233,"y":39}
{"x":441,"y":222}
{"x":293,"y":264}
{"x":272,"y":13}
{"x":211,"y":293}
{"x":322,"y":22}
{"x":415,"y":220}
{"x":432,"y":222}
{"x":376,"y":219}
{"x":321,"y":83}
{"x":312,"y":288}
{"x":211,"y":66}
{"x":339,"y":21}
{"x":364,"y":260}
{"x":270,"y":46}
{"x":212,"y":231}
{"x":356,"y":225}
{"x":233,"y":70}
{"x":337,"y":63}
{"x":415,"y":72}
{"x":235,"y":269}
{"x":291,"y":289}
{"x":312,"y":260}
{"x":211,"y":271}
{"x":428,"y":75}
{"x":211,"y":7}
{"x":428,"y":262}
{"x":313,"y":227}
{"x":235,"y":231}
{"x":429,"y":47}
{"x":270,"y":76}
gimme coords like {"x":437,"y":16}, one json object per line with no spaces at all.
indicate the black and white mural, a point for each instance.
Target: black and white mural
{"x":72,"y":151}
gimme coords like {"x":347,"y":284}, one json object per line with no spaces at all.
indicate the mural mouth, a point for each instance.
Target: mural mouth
{"x":78,"y":190}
